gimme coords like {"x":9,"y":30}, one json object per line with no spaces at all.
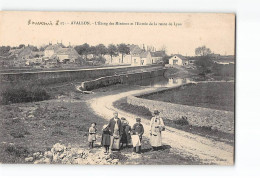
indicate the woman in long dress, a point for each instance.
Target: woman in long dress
{"x":156,"y":128}
{"x":126,"y":129}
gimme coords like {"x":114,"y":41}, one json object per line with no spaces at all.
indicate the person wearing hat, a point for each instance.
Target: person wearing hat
{"x":126,"y":129}
{"x":137,"y":134}
{"x":115,"y":128}
{"x":156,"y":128}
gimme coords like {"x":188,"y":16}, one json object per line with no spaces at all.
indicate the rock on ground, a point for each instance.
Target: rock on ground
{"x":61,"y":154}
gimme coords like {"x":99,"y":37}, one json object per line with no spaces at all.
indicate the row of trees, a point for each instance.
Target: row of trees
{"x":101,"y":50}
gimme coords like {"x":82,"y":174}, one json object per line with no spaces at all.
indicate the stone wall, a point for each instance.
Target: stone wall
{"x":120,"y":79}
{"x":196,"y":116}
{"x":50,"y":77}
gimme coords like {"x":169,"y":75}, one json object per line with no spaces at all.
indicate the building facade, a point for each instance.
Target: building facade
{"x":178,"y":60}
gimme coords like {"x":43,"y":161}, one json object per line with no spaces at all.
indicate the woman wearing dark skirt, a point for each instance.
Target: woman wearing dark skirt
{"x":105,"y":141}
{"x":126,"y":132}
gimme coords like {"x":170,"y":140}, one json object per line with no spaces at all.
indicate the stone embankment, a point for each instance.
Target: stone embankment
{"x":121,"y":79}
{"x":58,"y":76}
{"x":61,"y":154}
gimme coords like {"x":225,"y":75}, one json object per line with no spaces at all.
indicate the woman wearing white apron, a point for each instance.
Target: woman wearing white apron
{"x":156,"y":128}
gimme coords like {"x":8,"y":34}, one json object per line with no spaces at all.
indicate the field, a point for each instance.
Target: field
{"x":32,"y":127}
{"x":215,"y":95}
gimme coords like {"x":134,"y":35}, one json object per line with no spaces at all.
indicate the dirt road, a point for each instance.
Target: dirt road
{"x":185,"y":144}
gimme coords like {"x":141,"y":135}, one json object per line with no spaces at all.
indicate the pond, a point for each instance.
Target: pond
{"x":161,"y":81}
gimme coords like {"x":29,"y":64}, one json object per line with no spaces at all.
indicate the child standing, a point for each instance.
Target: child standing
{"x":92,"y":134}
{"x":137,"y":131}
{"x":105,"y":141}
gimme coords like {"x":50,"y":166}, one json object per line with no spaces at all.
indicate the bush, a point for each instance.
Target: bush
{"x":134,"y":109}
{"x":19,"y":94}
{"x":204,"y":64}
{"x":99,"y":61}
{"x":20,"y":133}
{"x":57,"y":133}
{"x":17,"y":151}
{"x":183,"y":121}
{"x":224,"y":71}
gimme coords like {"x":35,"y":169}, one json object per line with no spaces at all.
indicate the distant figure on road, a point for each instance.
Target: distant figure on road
{"x":126,"y":132}
{"x":156,"y":128}
{"x":115,"y":128}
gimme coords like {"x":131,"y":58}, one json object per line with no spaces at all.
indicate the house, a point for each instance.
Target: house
{"x":65,"y":55}
{"x":178,"y":60}
{"x":135,"y":50}
{"x":60,"y":53}
{"x":144,"y":58}
{"x":21,"y":55}
{"x":34,"y":61}
{"x":50,"y":63}
{"x":157,"y":56}
{"x":117,"y":60}
{"x":137,"y":56}
{"x":225,"y":59}
{"x":52,"y":49}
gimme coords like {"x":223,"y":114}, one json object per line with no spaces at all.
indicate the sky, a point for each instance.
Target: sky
{"x":180,"y":33}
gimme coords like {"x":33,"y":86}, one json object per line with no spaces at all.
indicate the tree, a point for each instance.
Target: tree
{"x":163,"y":48}
{"x":21,"y":46}
{"x":42,"y":48}
{"x":92,"y":50}
{"x":34,"y":48}
{"x":123,"y":49}
{"x":82,"y":49}
{"x":165,"y":59}
{"x":112,"y":50}
{"x":204,"y":62}
{"x":202,"y":51}
{"x":101,"y":49}
{"x":4,"y":50}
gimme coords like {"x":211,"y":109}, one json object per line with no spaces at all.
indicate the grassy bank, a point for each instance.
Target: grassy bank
{"x":30,"y":127}
{"x":215,"y":95}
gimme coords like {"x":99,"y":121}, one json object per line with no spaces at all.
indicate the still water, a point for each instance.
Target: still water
{"x":162,"y":82}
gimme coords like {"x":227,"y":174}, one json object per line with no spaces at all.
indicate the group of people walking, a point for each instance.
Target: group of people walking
{"x":118,"y":133}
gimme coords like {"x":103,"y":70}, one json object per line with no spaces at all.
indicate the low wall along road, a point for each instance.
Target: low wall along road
{"x":196,"y":116}
{"x":120,"y":79}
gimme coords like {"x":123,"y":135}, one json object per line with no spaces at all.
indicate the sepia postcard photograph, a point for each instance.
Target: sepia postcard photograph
{"x":115,"y":88}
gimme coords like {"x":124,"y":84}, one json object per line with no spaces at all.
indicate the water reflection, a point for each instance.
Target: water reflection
{"x":162,"y":82}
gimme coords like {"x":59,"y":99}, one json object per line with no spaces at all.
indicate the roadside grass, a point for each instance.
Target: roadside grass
{"x":134,"y":109}
{"x":214,"y":95}
{"x":22,"y":93}
{"x":31,"y":91}
{"x":205,"y":131}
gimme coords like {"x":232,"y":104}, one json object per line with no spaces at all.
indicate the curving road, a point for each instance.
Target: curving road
{"x":185,"y":144}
